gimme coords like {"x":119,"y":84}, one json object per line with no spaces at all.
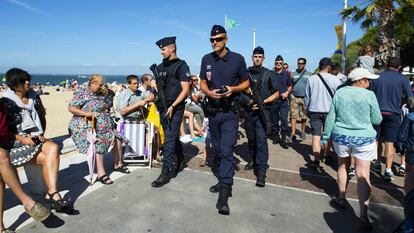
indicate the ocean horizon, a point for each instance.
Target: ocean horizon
{"x":55,"y":79}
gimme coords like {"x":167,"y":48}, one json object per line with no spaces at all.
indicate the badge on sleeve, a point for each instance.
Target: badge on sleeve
{"x":188,"y":74}
{"x":208,"y":72}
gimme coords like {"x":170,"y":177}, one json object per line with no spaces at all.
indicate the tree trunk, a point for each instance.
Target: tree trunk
{"x":386,"y":35}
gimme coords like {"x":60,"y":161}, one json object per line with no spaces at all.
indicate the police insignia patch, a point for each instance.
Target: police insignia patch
{"x":208,"y":75}
{"x":188,"y":74}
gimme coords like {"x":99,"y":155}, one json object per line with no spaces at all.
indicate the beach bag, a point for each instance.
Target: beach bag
{"x":154,"y":117}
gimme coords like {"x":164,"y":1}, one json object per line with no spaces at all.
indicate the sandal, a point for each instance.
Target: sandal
{"x":202,"y":163}
{"x":339,"y":202}
{"x":105,"y":180}
{"x":38,"y":212}
{"x":61,"y":205}
{"x":122,"y":169}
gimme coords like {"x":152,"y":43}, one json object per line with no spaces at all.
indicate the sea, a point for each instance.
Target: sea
{"x":56,"y":79}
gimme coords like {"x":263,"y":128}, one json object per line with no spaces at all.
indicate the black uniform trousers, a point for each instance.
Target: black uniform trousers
{"x":257,"y":140}
{"x":172,"y":143}
{"x":281,"y":111}
{"x":223,"y":128}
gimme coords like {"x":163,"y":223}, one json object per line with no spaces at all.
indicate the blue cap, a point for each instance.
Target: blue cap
{"x":279,"y":58}
{"x":258,"y":50}
{"x":217,"y":29}
{"x":165,"y":41}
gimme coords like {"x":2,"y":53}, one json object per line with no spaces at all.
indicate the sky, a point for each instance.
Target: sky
{"x":118,"y":37}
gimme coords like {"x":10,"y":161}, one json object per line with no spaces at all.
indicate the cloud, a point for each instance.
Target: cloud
{"x":27,"y":7}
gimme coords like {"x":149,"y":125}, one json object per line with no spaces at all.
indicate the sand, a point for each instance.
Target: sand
{"x":57,"y":114}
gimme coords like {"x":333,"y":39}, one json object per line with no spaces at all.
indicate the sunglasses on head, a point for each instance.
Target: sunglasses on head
{"x":218,"y":39}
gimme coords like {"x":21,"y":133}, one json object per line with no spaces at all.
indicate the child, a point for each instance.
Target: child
{"x":367,"y":60}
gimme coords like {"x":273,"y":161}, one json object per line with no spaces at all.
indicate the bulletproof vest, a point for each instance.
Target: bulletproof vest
{"x":168,"y":72}
{"x":261,"y":78}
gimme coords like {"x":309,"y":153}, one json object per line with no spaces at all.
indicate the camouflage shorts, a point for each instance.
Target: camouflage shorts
{"x":297,"y":107}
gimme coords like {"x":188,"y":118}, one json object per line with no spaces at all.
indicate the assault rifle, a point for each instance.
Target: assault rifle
{"x":160,"y":100}
{"x":257,"y":99}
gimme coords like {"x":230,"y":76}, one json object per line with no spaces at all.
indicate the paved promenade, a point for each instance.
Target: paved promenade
{"x":295,"y":199}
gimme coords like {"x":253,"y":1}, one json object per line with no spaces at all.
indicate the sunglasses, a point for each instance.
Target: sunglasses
{"x":301,"y":63}
{"x":218,"y":39}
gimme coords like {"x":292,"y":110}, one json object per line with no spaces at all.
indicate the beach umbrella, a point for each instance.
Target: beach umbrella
{"x":91,"y":154}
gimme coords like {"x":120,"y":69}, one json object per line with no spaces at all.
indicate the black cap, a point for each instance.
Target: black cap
{"x":217,"y":29}
{"x":165,"y":41}
{"x":258,"y":50}
{"x":326,"y":61}
{"x":279,"y":58}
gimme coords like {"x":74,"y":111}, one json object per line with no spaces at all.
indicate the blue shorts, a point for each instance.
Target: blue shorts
{"x":409,"y":157}
{"x":388,"y":129}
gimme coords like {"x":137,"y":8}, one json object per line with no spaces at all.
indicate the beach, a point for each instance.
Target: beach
{"x":57,"y":114}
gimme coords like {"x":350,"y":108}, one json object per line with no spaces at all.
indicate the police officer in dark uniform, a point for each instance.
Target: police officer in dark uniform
{"x":281,"y":106}
{"x":263,"y":85}
{"x":173,"y":82}
{"x":223,"y":76}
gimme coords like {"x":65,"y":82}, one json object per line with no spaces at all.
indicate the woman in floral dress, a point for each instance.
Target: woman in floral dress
{"x":88,"y":102}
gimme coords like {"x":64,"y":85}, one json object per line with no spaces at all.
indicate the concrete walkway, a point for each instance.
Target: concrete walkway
{"x":186,"y":205}
{"x":295,"y":199}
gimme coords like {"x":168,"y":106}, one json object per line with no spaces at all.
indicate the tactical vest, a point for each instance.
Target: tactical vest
{"x":168,"y":72}
{"x":262,"y":81}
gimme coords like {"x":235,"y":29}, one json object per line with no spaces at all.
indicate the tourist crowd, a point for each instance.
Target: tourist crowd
{"x":354,"y":113}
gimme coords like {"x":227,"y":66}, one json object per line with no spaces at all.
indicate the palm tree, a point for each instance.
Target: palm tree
{"x":380,"y":13}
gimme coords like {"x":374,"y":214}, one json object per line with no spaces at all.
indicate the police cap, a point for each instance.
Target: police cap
{"x":258,"y":50}
{"x":165,"y":41}
{"x":217,"y":29}
{"x":279,"y":58}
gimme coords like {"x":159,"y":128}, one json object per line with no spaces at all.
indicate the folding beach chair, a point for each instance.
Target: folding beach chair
{"x":136,"y":149}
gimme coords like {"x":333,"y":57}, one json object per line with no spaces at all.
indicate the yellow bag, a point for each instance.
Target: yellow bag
{"x":154,"y":117}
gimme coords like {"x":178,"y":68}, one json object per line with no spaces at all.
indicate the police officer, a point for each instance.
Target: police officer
{"x":281,"y":106}
{"x":263,"y":85}
{"x":173,"y":81}
{"x":223,"y":76}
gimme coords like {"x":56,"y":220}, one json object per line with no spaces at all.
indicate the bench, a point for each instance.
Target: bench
{"x":34,"y":172}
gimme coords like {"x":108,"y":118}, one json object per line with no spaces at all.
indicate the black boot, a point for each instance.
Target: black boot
{"x":276,"y":139}
{"x":179,"y":167}
{"x":222,"y":205}
{"x":249,"y":165}
{"x":164,"y":178}
{"x":260,"y":178}
{"x":283,"y":143}
{"x":215,"y":188}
